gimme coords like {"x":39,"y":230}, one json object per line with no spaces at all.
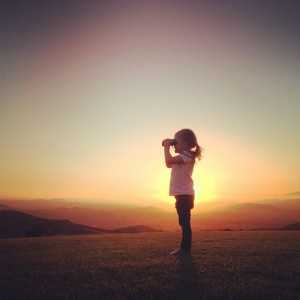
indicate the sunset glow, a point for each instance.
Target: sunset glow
{"x":90,"y":92}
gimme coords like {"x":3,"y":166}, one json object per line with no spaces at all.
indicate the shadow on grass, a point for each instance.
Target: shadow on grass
{"x":189,"y":278}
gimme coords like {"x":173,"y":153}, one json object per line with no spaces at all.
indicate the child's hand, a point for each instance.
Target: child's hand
{"x":166,"y":143}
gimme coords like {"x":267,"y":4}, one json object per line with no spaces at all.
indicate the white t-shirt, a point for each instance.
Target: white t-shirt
{"x":181,"y":182}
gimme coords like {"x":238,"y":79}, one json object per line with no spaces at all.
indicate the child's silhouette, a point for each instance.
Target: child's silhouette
{"x":181,"y":183}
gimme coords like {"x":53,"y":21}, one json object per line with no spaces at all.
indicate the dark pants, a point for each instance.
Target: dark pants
{"x":184,"y":204}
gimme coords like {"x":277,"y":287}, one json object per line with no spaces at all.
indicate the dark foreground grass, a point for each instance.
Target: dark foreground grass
{"x":224,"y":265}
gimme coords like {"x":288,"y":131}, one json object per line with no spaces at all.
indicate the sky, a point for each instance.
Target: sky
{"x":89,"y":89}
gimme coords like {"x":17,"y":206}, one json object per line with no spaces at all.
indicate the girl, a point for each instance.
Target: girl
{"x":181,"y":183}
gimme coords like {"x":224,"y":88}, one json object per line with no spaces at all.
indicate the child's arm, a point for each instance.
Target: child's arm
{"x":169,"y":159}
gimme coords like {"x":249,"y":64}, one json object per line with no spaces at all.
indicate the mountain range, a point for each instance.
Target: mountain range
{"x":18,"y":224}
{"x":264,"y":214}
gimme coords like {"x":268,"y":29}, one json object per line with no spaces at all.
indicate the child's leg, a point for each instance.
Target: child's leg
{"x":184,"y":204}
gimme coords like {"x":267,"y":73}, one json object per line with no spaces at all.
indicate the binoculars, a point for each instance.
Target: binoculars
{"x":173,"y":142}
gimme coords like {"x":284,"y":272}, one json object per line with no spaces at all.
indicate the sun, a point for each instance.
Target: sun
{"x":204,"y":186}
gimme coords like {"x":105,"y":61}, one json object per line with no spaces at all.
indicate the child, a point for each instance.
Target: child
{"x":181,"y":183}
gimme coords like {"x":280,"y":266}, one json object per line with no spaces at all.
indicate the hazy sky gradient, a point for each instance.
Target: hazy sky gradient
{"x":90,"y":88}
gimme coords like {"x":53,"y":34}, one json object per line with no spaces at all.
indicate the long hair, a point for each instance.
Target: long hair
{"x":189,"y":136}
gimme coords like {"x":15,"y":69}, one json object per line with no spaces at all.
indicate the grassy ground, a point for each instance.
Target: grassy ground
{"x":224,"y":265}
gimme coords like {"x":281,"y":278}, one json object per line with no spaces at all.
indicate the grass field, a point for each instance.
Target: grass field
{"x":223,"y":265}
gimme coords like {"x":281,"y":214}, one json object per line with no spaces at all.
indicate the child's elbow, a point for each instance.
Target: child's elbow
{"x":168,"y":165}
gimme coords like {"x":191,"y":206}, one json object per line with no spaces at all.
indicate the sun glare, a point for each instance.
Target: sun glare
{"x":161,"y":186}
{"x":204,"y":184}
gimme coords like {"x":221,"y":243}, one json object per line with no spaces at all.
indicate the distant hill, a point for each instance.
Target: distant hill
{"x":135,"y":229}
{"x":108,"y":216}
{"x":4,"y":207}
{"x":248,"y":216}
{"x":263,"y":214}
{"x":18,"y":224}
{"x":34,"y":203}
{"x":111,"y":217}
{"x":294,"y":226}
{"x":293,"y":204}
